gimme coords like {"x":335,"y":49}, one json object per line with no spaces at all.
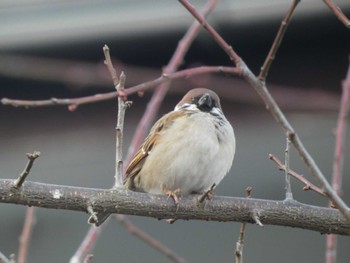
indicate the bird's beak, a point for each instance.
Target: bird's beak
{"x":205,"y":103}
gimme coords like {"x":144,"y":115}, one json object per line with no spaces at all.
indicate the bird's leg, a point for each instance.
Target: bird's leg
{"x":207,"y":194}
{"x":173,"y":195}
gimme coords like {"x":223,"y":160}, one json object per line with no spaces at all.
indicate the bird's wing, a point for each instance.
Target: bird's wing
{"x":132,"y":180}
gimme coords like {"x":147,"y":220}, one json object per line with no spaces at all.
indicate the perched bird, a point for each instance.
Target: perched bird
{"x":187,"y":151}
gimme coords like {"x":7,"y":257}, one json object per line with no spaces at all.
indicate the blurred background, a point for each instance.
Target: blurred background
{"x":54,"y":49}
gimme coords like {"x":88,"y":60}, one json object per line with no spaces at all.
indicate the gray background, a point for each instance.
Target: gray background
{"x":78,"y":148}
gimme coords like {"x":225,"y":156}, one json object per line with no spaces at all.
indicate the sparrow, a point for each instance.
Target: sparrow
{"x":188,"y":150}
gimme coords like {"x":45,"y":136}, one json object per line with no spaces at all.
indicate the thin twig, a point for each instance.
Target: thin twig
{"x":221,"y":42}
{"x":74,"y":103}
{"x":277,"y":42}
{"x":340,"y":135}
{"x":301,"y":178}
{"x":122,"y":106}
{"x":240,"y":242}
{"x":26,"y":234}
{"x":119,"y":84}
{"x":159,"y":94}
{"x":338,"y":13}
{"x":82,"y":74}
{"x":132,"y":229}
{"x":338,"y":159}
{"x":31,"y":158}
{"x":109,"y":64}
{"x":272,"y":106}
{"x":87,"y":245}
{"x":289,"y":194}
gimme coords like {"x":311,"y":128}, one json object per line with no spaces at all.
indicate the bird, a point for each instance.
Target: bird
{"x":187,"y":151}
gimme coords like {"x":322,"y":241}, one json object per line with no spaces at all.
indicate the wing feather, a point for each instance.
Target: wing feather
{"x":132,"y":174}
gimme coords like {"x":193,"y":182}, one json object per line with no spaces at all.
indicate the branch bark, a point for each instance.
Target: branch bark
{"x":223,"y":209}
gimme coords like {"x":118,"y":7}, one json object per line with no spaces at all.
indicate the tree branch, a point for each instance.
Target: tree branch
{"x":289,"y":194}
{"x":75,"y":102}
{"x":87,"y":244}
{"x":272,"y":106}
{"x":223,"y":209}
{"x":122,"y":106}
{"x":338,"y":13}
{"x":26,"y":234}
{"x":240,"y":242}
{"x":277,"y":42}
{"x":31,"y":158}
{"x":299,"y":177}
{"x":338,"y":160}
{"x":132,"y":229}
{"x":221,"y":42}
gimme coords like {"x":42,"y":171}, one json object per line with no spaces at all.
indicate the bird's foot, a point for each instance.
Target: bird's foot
{"x":173,"y":195}
{"x":207,"y":194}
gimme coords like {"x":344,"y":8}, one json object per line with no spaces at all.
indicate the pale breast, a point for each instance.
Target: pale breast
{"x":195,"y":152}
